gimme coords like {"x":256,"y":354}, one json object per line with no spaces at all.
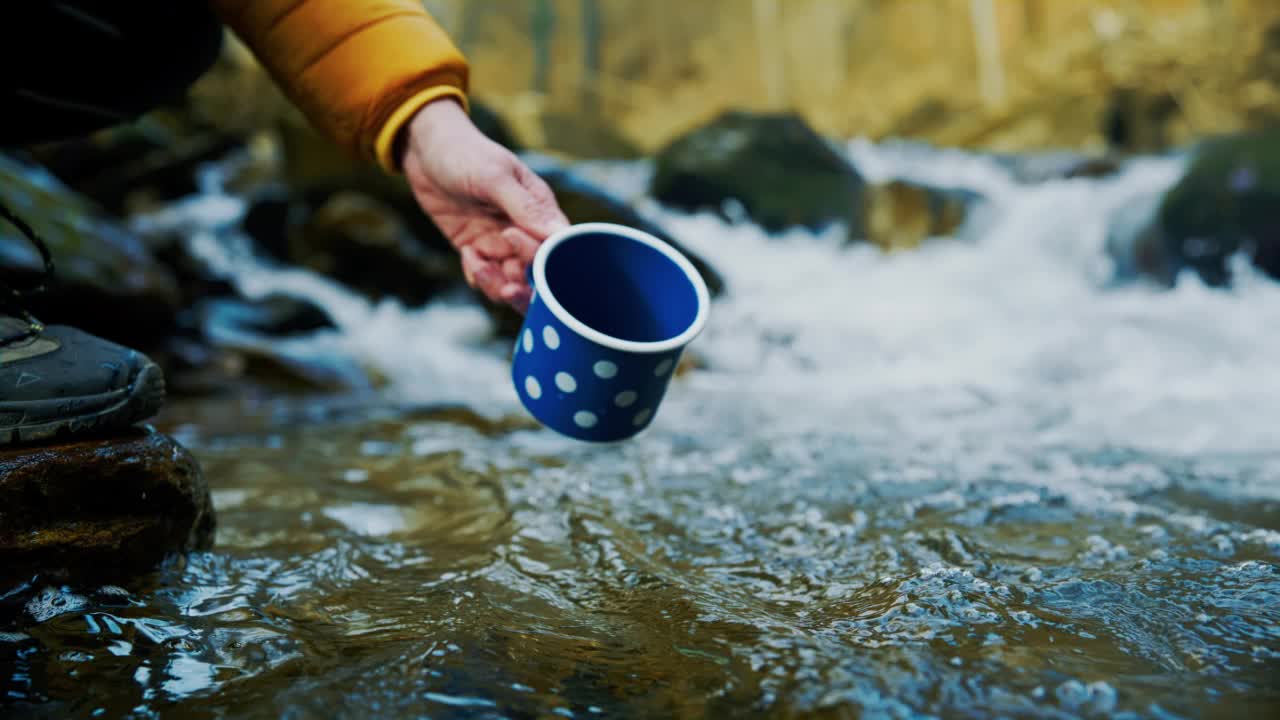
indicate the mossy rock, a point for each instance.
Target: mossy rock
{"x":1228,"y":202}
{"x":108,"y":282}
{"x":782,"y":172}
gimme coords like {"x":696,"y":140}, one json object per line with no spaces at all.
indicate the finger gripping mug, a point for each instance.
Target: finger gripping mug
{"x":613,"y":309}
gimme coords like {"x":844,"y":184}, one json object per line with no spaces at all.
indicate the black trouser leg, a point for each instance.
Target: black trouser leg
{"x":70,"y":67}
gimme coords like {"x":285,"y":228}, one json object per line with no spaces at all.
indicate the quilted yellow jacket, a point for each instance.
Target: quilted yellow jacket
{"x":358,"y":69}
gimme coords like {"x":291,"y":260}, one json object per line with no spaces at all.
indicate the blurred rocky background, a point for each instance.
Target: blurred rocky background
{"x":591,"y":77}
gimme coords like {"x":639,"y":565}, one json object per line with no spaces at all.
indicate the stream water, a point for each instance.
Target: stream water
{"x":972,"y":480}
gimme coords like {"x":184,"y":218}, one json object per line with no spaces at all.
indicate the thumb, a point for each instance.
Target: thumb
{"x":529,"y":202}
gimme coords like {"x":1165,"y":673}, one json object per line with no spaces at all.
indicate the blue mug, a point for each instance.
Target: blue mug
{"x":613,"y":309}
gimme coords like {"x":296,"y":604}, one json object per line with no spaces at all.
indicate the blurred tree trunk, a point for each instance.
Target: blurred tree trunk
{"x":544,"y":26}
{"x":590,"y":56}
{"x":772,"y":68}
{"x":982,"y":15}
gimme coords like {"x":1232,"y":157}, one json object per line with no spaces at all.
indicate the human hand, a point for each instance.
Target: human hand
{"x":493,"y":209}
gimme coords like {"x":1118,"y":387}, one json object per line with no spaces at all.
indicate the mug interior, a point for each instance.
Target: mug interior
{"x":621,"y":287}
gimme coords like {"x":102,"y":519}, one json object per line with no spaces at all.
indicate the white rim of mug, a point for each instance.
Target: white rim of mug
{"x":691,"y":273}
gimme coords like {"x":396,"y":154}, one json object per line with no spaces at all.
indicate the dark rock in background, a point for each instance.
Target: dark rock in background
{"x":102,"y":507}
{"x":134,"y":166}
{"x":365,"y":242}
{"x":785,"y":175}
{"x":1227,"y":203}
{"x":1134,"y":243}
{"x":272,"y":316}
{"x":782,"y":172}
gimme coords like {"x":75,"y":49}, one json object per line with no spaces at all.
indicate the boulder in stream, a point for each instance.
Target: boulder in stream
{"x":376,"y":247}
{"x":101,"y":507}
{"x":273,"y":316}
{"x":782,"y":172}
{"x":1226,"y":204}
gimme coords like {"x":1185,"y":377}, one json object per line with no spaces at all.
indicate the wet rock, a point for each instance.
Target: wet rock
{"x":272,"y":316}
{"x":222,"y":338}
{"x":134,"y":166}
{"x":196,"y":280}
{"x":252,"y":337}
{"x":781,"y":172}
{"x":1135,"y":245}
{"x":1227,"y":203}
{"x":107,"y":281}
{"x":241,"y":364}
{"x":194,"y":367}
{"x":785,"y":175}
{"x":901,"y":215}
{"x":287,"y":370}
{"x":365,"y":242}
{"x":101,"y":507}
{"x":270,"y":220}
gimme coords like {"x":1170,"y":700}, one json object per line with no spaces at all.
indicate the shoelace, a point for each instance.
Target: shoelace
{"x":13,"y":298}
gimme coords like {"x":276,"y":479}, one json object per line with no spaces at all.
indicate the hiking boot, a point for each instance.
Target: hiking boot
{"x":59,"y":381}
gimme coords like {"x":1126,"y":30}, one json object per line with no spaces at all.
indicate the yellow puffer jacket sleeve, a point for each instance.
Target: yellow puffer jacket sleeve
{"x":358,"y":69}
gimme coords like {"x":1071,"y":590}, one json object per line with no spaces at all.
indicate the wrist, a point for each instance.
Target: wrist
{"x":432,"y":119}
{"x":440,"y":112}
